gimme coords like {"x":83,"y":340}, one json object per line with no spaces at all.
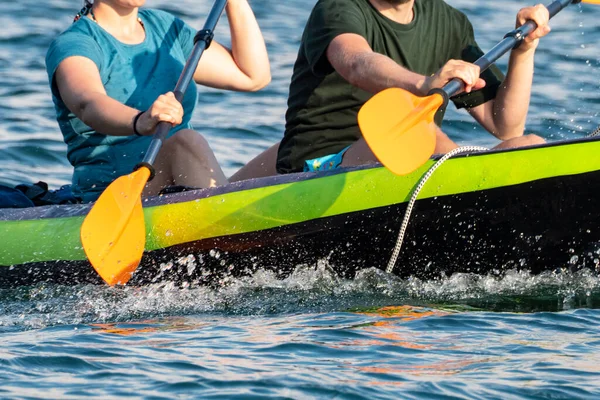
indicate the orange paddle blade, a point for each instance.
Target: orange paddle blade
{"x":591,"y":1}
{"x":113,"y":234}
{"x":399,"y":128}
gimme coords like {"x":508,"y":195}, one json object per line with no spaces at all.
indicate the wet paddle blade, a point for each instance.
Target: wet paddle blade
{"x":399,"y":128}
{"x":114,"y":234}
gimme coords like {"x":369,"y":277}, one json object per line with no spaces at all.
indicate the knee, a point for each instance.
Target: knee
{"x":521,"y":141}
{"x":188,"y":140}
{"x":525,"y":140}
{"x":443,"y":144}
{"x":531,"y":140}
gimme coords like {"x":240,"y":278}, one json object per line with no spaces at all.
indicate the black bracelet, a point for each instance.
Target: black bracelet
{"x":135,"y":120}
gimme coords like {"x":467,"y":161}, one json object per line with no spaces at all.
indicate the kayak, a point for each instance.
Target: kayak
{"x":485,"y":212}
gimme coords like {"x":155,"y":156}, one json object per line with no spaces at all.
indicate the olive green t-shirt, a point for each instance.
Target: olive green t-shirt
{"x":322,"y":106}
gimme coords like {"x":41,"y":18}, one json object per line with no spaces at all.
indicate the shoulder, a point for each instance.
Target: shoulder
{"x":79,"y":39}
{"x":79,"y":30}
{"x":78,"y":35}
{"x":161,"y":21}
{"x":335,"y":6}
{"x":327,"y":12}
{"x":155,"y":13}
{"x":158,"y":16}
{"x":167,"y":26}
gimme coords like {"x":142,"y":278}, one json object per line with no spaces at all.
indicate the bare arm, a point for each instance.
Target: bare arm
{"x":81,"y":89}
{"x":505,"y":116}
{"x":246,"y":66}
{"x":352,"y":57}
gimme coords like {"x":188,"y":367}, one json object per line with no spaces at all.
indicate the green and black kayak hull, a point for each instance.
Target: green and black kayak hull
{"x":532,"y":208}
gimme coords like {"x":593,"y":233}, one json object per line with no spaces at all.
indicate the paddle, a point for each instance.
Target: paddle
{"x":399,"y":127}
{"x":113,"y":233}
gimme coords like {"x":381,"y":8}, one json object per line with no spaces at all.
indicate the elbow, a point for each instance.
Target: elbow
{"x":506,"y":124}
{"x":509,"y":132}
{"x":352,"y":78}
{"x":263,"y":82}
{"x":354,"y":70}
{"x":350,"y":72}
{"x":505,"y":129}
{"x":259,"y":82}
{"x":83,"y":111}
{"x":85,"y":106}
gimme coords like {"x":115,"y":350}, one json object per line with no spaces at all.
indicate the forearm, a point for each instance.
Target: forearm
{"x":512,"y":100}
{"x":106,"y":115}
{"x":247,"y":44}
{"x":374,"y":72}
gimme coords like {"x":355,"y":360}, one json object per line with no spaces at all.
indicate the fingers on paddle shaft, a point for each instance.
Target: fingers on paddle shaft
{"x":113,"y":234}
{"x":399,"y":128}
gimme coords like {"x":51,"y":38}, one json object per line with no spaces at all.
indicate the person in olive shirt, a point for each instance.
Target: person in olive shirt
{"x":352,"y":49}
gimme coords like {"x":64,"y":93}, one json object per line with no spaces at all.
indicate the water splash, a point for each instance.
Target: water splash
{"x":311,"y":288}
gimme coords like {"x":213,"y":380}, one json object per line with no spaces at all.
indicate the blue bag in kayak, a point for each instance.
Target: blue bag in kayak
{"x":13,"y":198}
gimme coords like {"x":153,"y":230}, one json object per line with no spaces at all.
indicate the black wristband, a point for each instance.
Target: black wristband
{"x":135,"y":120}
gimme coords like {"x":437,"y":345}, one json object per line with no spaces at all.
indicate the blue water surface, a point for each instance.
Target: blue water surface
{"x":311,"y":335}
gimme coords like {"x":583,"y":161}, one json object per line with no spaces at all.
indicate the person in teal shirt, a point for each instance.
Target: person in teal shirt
{"x":111,"y":74}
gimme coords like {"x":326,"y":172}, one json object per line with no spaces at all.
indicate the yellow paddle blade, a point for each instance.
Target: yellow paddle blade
{"x":399,"y":128}
{"x":113,"y":234}
{"x":591,"y":1}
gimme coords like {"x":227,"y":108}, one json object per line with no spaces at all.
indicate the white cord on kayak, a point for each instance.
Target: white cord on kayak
{"x":595,"y":133}
{"x":413,"y":198}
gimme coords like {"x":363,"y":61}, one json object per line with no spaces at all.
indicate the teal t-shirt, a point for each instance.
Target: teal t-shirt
{"x":322,"y":106}
{"x":135,"y":75}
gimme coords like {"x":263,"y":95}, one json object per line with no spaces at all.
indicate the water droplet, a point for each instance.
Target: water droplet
{"x":574,"y":260}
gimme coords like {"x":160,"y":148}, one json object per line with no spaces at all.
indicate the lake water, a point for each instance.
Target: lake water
{"x":312,"y":335}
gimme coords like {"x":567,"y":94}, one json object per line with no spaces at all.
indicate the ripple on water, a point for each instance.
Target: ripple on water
{"x":310,"y":335}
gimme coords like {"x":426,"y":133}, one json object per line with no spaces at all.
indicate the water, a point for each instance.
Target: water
{"x":312,"y":335}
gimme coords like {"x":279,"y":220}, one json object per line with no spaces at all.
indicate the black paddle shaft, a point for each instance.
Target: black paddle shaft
{"x":510,"y":41}
{"x":201,"y":42}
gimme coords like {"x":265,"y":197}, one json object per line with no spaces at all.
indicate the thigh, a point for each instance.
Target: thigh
{"x":162,"y":178}
{"x":358,"y":154}
{"x":163,"y":174}
{"x":443,"y":144}
{"x":260,"y":166}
